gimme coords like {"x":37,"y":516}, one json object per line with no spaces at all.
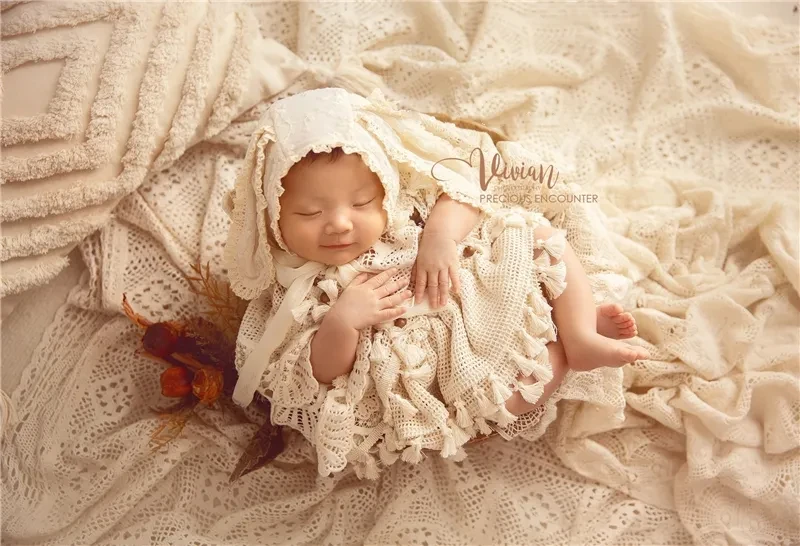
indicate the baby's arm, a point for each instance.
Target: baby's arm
{"x":333,"y":349}
{"x":448,"y":224}
{"x":451,"y":219}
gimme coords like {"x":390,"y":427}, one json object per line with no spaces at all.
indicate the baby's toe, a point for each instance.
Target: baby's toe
{"x":636,"y":353}
{"x":629,"y":354}
{"x":622,"y":318}
{"x":642,"y":353}
{"x":611,"y":310}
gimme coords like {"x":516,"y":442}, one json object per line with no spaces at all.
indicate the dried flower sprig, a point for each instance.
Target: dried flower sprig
{"x":227,"y":308}
{"x":200,"y":357}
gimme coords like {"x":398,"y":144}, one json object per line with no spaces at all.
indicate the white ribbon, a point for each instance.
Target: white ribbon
{"x":298,"y":280}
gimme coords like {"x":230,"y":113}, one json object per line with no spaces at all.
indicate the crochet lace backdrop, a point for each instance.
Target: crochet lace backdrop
{"x":682,"y":119}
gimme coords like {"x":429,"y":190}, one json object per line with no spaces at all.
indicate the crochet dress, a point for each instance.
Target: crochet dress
{"x":431,"y":379}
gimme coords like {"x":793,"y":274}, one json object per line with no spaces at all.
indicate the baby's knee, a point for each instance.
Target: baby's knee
{"x":543,"y":232}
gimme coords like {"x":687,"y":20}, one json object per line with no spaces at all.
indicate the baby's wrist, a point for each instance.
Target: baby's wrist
{"x":440,"y":233}
{"x":340,"y":318}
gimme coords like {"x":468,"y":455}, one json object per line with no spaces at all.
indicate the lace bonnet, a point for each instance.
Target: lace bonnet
{"x":389,"y":140}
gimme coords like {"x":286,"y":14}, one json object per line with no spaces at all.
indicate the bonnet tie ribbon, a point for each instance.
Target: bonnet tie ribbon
{"x":298,"y":280}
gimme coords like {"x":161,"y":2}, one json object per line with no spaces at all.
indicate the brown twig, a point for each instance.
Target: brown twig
{"x":227,"y":308}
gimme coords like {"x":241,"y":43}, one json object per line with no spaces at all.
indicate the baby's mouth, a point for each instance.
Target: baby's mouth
{"x":336,"y":247}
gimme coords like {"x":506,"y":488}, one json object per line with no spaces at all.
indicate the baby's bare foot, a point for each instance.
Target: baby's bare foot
{"x":614,"y":323}
{"x":596,"y":351}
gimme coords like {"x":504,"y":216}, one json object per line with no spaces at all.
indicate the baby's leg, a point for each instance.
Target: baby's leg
{"x":575,"y":317}
{"x":612,"y":322}
{"x":558,"y":360}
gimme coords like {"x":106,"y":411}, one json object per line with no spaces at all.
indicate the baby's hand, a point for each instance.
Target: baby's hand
{"x":370,"y":300}
{"x":436,"y":264}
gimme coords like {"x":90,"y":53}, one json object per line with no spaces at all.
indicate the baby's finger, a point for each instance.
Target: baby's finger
{"x":433,"y":291}
{"x":381,"y":277}
{"x":444,"y":285}
{"x":390,"y":288}
{"x":396,"y":299}
{"x":455,"y":278}
{"x":390,"y":313}
{"x":419,"y":288}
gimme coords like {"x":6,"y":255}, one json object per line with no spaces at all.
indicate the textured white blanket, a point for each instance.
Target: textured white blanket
{"x":681,"y":119}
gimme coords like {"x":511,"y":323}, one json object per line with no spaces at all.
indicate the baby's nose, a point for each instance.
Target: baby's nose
{"x":339,"y":224}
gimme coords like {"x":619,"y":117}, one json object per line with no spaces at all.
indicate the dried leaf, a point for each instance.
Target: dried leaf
{"x":175,"y":419}
{"x":136,"y":318}
{"x":227,"y":308}
{"x":265,"y":445}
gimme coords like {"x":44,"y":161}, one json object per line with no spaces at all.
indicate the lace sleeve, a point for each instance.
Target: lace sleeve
{"x":288,"y":382}
{"x":326,"y":415}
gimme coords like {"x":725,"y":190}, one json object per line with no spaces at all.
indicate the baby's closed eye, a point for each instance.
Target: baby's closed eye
{"x":314,"y":213}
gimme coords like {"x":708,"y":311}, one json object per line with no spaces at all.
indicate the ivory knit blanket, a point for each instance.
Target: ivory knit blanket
{"x":681,"y":119}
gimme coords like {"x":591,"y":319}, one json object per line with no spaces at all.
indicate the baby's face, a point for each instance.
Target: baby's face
{"x":326,"y":204}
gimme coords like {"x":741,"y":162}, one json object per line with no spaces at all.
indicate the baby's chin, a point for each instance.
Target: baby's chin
{"x":335,"y":257}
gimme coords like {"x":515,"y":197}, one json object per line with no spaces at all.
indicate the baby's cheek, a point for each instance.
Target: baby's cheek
{"x":296,"y":236}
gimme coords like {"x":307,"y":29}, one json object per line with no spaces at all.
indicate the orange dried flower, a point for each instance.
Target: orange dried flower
{"x":176,"y":382}
{"x":207,"y":385}
{"x":160,"y":339}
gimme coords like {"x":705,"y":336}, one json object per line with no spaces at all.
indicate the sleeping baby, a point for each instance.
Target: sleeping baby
{"x":394,"y":311}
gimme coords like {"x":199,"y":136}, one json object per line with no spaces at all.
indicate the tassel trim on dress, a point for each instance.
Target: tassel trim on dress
{"x":485,"y":407}
{"x":371,"y":471}
{"x":553,"y":245}
{"x":483,"y":426}
{"x":460,"y":455}
{"x":388,"y":458}
{"x":553,"y":277}
{"x":454,"y":438}
{"x":536,"y":323}
{"x":471,"y":413}
{"x":500,"y":392}
{"x":413,"y":453}
{"x":503,"y":417}
{"x":531,"y":393}
{"x":463,"y":418}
